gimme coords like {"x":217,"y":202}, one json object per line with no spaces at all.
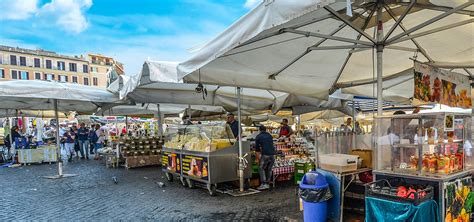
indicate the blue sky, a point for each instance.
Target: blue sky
{"x":129,"y":30}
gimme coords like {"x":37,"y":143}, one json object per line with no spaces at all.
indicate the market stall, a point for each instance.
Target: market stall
{"x":46,"y":95}
{"x":428,"y":150}
{"x":202,"y":154}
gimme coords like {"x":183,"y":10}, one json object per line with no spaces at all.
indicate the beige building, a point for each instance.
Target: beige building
{"x":27,"y":64}
{"x":100,"y":65}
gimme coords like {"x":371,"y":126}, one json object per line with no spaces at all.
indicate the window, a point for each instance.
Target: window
{"x":13,"y":60}
{"x":37,"y":63}
{"x":49,"y":64}
{"x":22,"y":61}
{"x":38,"y":75}
{"x":2,"y":74}
{"x":49,"y":77}
{"x":1,"y":59}
{"x":24,"y":75}
{"x":85,"y":68}
{"x":74,"y":79}
{"x":86,"y":81}
{"x":62,"y":78}
{"x":61,"y":65}
{"x":73,"y":67}
{"x":95,"y":81}
{"x":94,"y":69}
{"x":14,"y":74}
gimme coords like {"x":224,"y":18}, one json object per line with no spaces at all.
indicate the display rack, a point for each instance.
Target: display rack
{"x":202,"y":154}
{"x":425,"y":149}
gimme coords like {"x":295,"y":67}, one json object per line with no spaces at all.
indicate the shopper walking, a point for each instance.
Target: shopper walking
{"x":70,"y":139}
{"x":264,"y":145}
{"x":92,"y":139}
{"x":100,"y":133}
{"x":82,"y":136}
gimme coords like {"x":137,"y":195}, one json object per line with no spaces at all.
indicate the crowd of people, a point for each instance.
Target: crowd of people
{"x":82,"y":141}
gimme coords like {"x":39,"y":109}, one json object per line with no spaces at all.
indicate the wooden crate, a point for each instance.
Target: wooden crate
{"x":141,"y":161}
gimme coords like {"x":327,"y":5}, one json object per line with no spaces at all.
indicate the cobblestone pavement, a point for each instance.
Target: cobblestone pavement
{"x":92,"y":195}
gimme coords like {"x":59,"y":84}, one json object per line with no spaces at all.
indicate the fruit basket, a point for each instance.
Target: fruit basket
{"x":414,"y":194}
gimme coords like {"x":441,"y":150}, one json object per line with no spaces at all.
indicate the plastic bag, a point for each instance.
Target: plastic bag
{"x":315,"y":195}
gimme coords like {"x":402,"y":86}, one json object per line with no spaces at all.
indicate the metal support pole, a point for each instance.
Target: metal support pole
{"x":58,"y":144}
{"x":189,"y":112}
{"x":160,"y":122}
{"x":10,"y":133}
{"x":239,"y":138}
{"x":126,"y":125}
{"x":379,"y":48}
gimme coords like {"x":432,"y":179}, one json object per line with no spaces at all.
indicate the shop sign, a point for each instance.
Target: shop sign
{"x":195,"y":166}
{"x":437,"y":86}
{"x":171,"y":161}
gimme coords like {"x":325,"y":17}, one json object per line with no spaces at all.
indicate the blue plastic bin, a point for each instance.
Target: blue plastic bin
{"x":314,"y":211}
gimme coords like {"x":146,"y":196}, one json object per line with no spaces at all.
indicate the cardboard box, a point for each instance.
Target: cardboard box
{"x":365,"y":155}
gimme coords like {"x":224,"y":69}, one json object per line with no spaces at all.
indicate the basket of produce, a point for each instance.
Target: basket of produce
{"x":414,"y":194}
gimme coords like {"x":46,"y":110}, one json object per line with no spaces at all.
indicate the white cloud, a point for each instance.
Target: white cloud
{"x":17,"y":10}
{"x":251,"y":3}
{"x":68,"y":14}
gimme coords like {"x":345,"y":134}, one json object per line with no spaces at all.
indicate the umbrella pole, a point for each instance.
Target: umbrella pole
{"x":379,"y":59}
{"x":160,"y":122}
{"x":239,"y":138}
{"x":126,"y":125}
{"x":58,"y":148}
{"x":10,"y":133}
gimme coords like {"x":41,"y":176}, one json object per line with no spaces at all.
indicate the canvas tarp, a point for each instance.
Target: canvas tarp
{"x":39,"y":95}
{"x":306,"y":47}
{"x":149,"y":87}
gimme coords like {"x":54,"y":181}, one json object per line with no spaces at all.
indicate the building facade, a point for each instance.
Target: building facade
{"x":26,"y":64}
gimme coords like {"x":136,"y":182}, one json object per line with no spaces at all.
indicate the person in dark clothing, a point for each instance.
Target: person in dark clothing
{"x":14,"y":133}
{"x":233,"y":124}
{"x":82,"y":136}
{"x":285,"y":130}
{"x":264,"y":145}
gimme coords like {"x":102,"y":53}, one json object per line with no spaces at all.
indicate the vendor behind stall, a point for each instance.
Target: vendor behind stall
{"x":264,"y":145}
{"x":285,"y":130}
{"x":233,"y":124}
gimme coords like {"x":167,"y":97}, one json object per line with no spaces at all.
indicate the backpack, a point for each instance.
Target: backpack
{"x":93,"y":136}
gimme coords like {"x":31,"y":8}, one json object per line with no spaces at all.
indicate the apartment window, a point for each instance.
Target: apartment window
{"x":62,"y":78}
{"x":73,"y":67}
{"x":85,"y":68}
{"x":95,"y":81}
{"x":24,"y":75}
{"x":86,"y":81}
{"x":22,"y":61}
{"x":49,"y":64}
{"x":38,"y":75}
{"x":94,"y":69}
{"x":74,"y":79}
{"x":1,"y":59}
{"x":37,"y":62}
{"x":2,"y":74}
{"x":13,"y":60}
{"x":14,"y":74}
{"x":49,"y":77}
{"x":61,"y":65}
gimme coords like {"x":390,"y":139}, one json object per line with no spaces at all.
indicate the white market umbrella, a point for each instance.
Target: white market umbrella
{"x":158,"y":83}
{"x":308,"y":47}
{"x":48,"y":95}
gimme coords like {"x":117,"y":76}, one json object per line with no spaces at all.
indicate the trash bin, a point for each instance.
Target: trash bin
{"x":314,"y":191}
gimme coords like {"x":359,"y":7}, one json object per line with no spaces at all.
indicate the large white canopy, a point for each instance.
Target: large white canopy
{"x":307,"y":47}
{"x":149,"y":87}
{"x":152,"y":109}
{"x":39,"y":95}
